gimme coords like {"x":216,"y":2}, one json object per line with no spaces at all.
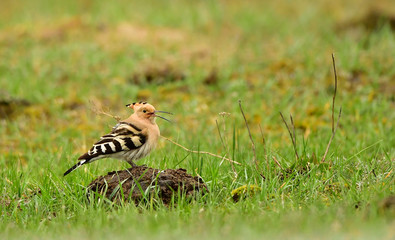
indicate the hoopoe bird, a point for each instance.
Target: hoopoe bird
{"x":130,"y":139}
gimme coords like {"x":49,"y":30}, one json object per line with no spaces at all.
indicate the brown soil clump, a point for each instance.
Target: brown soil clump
{"x":141,"y":183}
{"x":158,"y":74}
{"x":10,"y":106}
{"x":388,"y":205}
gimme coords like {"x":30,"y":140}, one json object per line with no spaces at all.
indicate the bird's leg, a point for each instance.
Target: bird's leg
{"x":132,"y":163}
{"x":135,"y":165}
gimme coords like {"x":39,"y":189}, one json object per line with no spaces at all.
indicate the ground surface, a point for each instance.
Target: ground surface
{"x":58,"y":59}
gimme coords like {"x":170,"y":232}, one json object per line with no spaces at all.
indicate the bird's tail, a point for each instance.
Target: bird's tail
{"x":79,"y":164}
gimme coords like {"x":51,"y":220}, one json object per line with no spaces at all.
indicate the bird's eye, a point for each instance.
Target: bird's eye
{"x":144,"y":111}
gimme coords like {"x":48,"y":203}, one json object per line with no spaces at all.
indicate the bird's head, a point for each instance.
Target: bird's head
{"x":145,"y":110}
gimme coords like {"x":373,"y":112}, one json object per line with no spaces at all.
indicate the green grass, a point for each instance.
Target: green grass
{"x":273,"y":56}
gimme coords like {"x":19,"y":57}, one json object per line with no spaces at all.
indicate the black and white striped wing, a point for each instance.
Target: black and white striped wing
{"x":123,"y":137}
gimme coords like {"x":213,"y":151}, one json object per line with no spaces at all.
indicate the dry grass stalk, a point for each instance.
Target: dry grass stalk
{"x":252,"y":141}
{"x":293,"y":138}
{"x":278,"y":163}
{"x":332,"y":136}
{"x":200,"y":152}
{"x":226,"y":148}
{"x":264,"y":148}
{"x":333,"y":111}
{"x":99,"y":110}
{"x":334,"y":93}
{"x":293,"y":128}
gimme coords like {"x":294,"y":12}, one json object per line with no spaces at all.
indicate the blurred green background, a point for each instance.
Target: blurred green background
{"x":60,"y":59}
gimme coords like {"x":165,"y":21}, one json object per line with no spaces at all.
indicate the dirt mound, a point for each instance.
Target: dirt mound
{"x":141,"y":183}
{"x":10,"y":106}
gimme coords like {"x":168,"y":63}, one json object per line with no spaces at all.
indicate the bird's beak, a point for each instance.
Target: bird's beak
{"x":161,"y":116}
{"x":163,"y":112}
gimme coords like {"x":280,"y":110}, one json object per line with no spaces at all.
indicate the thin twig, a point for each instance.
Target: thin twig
{"x":334,"y":93}
{"x":220,"y":136}
{"x":252,"y":141}
{"x":99,"y":110}
{"x":293,"y":130}
{"x":290,"y":134}
{"x":333,"y":135}
{"x":333,"y":111}
{"x":264,"y":147}
{"x":275,"y":160}
{"x":200,"y":152}
{"x":226,"y":148}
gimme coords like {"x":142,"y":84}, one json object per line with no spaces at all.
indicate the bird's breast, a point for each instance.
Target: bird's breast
{"x":153,"y":136}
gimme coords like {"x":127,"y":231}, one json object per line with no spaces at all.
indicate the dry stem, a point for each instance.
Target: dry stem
{"x":226,"y":149}
{"x":333,"y":111}
{"x":252,"y":141}
{"x":275,"y":160}
{"x":293,"y":128}
{"x":333,"y":135}
{"x":99,"y":110}
{"x":264,"y":147}
{"x":290,"y":134}
{"x":200,"y":152}
{"x":334,"y":93}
